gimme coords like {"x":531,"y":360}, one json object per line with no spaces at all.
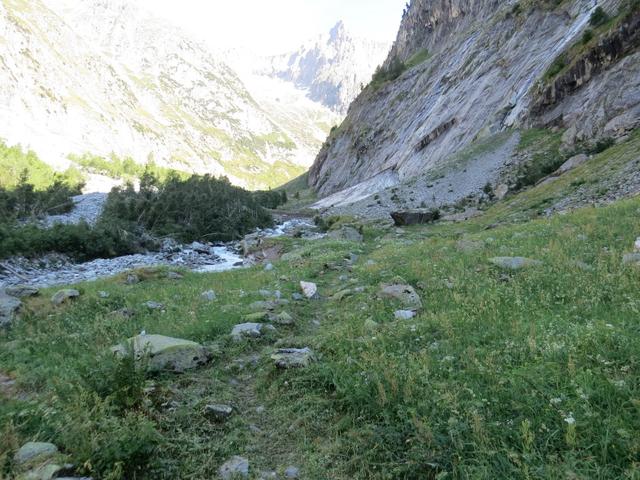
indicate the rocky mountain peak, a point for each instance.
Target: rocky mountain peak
{"x":332,"y":68}
{"x":338,"y":32}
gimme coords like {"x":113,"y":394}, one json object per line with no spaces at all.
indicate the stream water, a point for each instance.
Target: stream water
{"x":56,"y":269}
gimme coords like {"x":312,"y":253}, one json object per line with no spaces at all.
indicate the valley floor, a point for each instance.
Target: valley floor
{"x":529,"y":373}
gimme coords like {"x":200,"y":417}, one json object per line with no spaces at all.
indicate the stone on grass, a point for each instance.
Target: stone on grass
{"x":405,"y":294}
{"x":218,"y":412}
{"x":347,"y":233}
{"x":292,"y":472}
{"x":514,"y":263}
{"x":636,"y":246}
{"x":631,"y":259}
{"x":35,"y":450}
{"x":572,"y":163}
{"x":164,"y":353}
{"x":174,"y":276}
{"x":151,"y":305}
{"x":283,"y":319}
{"x":297,"y":296}
{"x":262,"y":305}
{"x":132,"y":279}
{"x":268,"y":267}
{"x":9,"y":306}
{"x":235,"y":467}
{"x":293,"y":357}
{"x":22,"y":291}
{"x":208,"y":296}
{"x":415,"y":217}
{"x":103,"y":294}
{"x":251,"y":330}
{"x":404,"y":314}
{"x":309,"y":289}
{"x":62,"y":296}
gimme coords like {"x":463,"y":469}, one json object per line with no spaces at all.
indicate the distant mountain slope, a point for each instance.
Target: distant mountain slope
{"x":332,"y":68}
{"x":108,"y":78}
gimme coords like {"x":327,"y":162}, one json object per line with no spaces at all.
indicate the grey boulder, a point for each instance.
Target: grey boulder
{"x":22,"y":291}
{"x":293,"y":357}
{"x":35,"y":450}
{"x":9,"y":306}
{"x":235,"y":467}
{"x":63,"y":296}
{"x":164,"y":353}
{"x":251,"y":330}
{"x":405,"y":294}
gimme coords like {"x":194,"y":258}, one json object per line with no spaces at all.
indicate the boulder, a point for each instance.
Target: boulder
{"x":208,"y":296}
{"x":293,"y":357}
{"x":415,"y":217}
{"x":309,"y":289}
{"x":252,"y":330}
{"x":21,"y":291}
{"x":164,"y":353}
{"x":292,"y":472}
{"x":514,"y":263}
{"x":347,"y":233}
{"x":405,"y":294}
{"x":572,"y":163}
{"x":151,"y":305}
{"x":218,"y":412}
{"x":261,"y":305}
{"x":631,"y":259}
{"x":9,"y":306}
{"x":35,"y":450}
{"x":235,"y":467}
{"x":62,"y":296}
{"x":404,"y":314}
{"x":501,"y":191}
{"x":283,"y":319}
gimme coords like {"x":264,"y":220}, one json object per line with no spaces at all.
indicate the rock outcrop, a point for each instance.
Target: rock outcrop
{"x":460,"y":73}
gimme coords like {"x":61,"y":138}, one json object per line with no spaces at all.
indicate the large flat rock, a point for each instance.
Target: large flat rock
{"x":164,"y":353}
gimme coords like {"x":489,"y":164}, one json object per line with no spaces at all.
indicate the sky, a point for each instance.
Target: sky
{"x":278,"y":26}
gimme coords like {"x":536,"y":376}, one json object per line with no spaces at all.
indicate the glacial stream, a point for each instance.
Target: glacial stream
{"x":55,"y":269}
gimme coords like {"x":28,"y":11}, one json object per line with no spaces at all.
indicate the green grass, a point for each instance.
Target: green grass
{"x":482,"y":384}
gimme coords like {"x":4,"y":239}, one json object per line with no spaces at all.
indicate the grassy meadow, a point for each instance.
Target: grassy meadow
{"x":529,"y":374}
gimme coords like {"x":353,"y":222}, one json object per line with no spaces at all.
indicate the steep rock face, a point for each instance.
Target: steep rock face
{"x":486,"y":62}
{"x":106,"y":77}
{"x":333,"y":68}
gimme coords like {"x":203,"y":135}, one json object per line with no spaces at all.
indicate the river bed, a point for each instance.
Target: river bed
{"x":56,"y":269}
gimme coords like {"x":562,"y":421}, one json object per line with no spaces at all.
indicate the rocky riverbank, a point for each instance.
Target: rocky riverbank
{"x":56,"y":269}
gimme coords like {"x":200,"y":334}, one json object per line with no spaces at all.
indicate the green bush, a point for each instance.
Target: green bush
{"x":587,"y":36}
{"x":198,"y":208}
{"x":598,"y":17}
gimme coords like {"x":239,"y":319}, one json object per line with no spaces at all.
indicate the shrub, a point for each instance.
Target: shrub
{"x":587,"y":36}
{"x":598,"y":17}
{"x":198,"y":208}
